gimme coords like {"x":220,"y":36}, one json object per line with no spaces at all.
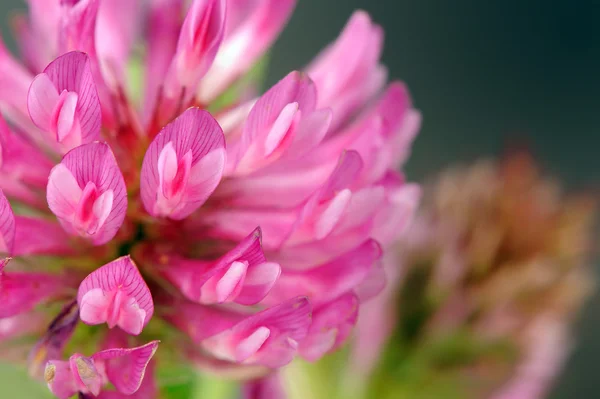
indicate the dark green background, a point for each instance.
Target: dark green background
{"x":485,"y":74}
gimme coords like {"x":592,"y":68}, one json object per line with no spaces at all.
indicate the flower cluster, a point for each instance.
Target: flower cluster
{"x":153,"y":192}
{"x":496,"y":267}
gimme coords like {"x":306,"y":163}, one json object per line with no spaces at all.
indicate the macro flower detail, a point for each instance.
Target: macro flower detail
{"x":124,"y":368}
{"x":183,"y":165}
{"x":63,"y":101}
{"x":151,"y":191}
{"x":87,"y":193}
{"x":116,"y":294}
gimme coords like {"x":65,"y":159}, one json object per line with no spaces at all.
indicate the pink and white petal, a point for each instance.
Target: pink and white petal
{"x":72,"y":72}
{"x":42,"y":98}
{"x":126,"y":368}
{"x":330,"y":327}
{"x":199,"y":40}
{"x":295,"y":89}
{"x":119,"y":277}
{"x":259,"y":281}
{"x":96,"y":163}
{"x":196,"y":131}
{"x":7,"y":226}
{"x":311,"y":131}
{"x":205,"y":176}
{"x":269,"y":338}
{"x":63,"y":192}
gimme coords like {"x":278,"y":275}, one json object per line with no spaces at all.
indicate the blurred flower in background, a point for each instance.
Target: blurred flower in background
{"x":490,"y":278}
{"x":151,"y":194}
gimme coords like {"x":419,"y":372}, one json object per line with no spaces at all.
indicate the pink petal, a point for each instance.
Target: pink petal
{"x":268,"y":387}
{"x":7,"y":226}
{"x":21,"y":292}
{"x":242,"y":275}
{"x":66,"y":122}
{"x":41,"y":101}
{"x":78,"y":26}
{"x":63,"y":192}
{"x":200,"y":321}
{"x":87,"y":377}
{"x":22,"y":324}
{"x":18,"y":179}
{"x":164,"y":24}
{"x":147,"y":389}
{"x":42,"y":27}
{"x":125,"y":368}
{"x":117,"y":294}
{"x":250,"y":32}
{"x":373,"y":284}
{"x":260,"y":279}
{"x":395,"y":217}
{"x":194,"y":132}
{"x":199,"y":41}
{"x":14,"y":80}
{"x":330,"y":327}
{"x":272,"y":122}
{"x":116,"y":27}
{"x":347,"y":64}
{"x":88,"y":167}
{"x":60,"y":379}
{"x":39,"y":236}
{"x":269,"y":338}
{"x":331,"y":280}
{"x":78,"y":113}
{"x":325,"y":208}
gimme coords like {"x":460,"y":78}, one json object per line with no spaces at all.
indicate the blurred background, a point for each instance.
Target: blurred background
{"x":486,"y":76}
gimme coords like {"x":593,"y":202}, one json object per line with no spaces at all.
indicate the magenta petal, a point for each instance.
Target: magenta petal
{"x":198,"y":43}
{"x":183,"y":165}
{"x":242,"y":275}
{"x":125,"y":368}
{"x":268,"y":387}
{"x":71,"y":74}
{"x":330,"y":327}
{"x":116,"y":294}
{"x":330,"y":280}
{"x":273,"y":121}
{"x":7,"y":226}
{"x":87,"y":193}
{"x":40,"y":236}
{"x":20,"y":292}
{"x":269,"y":338}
